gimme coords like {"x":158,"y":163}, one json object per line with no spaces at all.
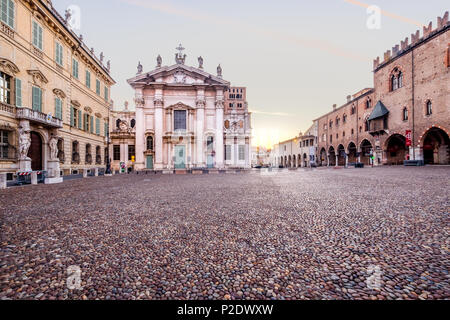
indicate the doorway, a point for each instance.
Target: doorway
{"x":150,"y":162}
{"x":35,"y":151}
{"x":180,"y":157}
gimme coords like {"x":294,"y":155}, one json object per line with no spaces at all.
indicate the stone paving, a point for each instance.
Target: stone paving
{"x":374,"y":233}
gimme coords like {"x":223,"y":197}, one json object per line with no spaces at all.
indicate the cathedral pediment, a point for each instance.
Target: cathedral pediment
{"x":177,"y":75}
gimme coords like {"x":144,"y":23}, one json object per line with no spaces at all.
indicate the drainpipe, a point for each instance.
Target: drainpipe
{"x":413,"y":127}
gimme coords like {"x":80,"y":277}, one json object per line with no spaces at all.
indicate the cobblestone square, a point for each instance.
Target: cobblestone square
{"x":374,"y":233}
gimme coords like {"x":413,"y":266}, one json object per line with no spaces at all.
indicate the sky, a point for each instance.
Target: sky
{"x":297,"y":58}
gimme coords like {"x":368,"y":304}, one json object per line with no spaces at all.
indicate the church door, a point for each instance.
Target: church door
{"x":210,"y":161}
{"x":180,"y":157}
{"x":149,"y":162}
{"x":35,"y":151}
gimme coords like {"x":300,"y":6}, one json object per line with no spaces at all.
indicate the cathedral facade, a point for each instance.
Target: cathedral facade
{"x":186,"y":118}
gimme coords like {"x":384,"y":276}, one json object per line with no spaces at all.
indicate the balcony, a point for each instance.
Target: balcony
{"x":36,"y":116}
{"x":4,"y":107}
{"x":7,"y":30}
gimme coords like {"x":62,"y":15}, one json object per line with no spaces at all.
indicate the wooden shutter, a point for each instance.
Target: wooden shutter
{"x":91,"y":122}
{"x":80,"y":121}
{"x":72,"y":113}
{"x":58,"y":108}
{"x":97,"y":126}
{"x":40,"y":37}
{"x":18,"y":93}
{"x":35,"y":98}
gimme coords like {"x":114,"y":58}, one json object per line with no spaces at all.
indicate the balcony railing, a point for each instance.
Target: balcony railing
{"x":7,"y":108}
{"x":7,"y":30}
{"x":36,"y":116}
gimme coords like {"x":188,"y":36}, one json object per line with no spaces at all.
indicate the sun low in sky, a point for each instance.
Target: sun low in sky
{"x":296,"y":58}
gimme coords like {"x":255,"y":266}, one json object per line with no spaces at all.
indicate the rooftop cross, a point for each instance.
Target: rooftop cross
{"x":180,"y":49}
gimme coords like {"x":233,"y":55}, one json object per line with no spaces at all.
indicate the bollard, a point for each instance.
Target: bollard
{"x":2,"y":180}
{"x":34,"y":177}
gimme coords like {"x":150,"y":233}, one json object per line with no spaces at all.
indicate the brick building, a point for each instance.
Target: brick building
{"x":407,"y":113}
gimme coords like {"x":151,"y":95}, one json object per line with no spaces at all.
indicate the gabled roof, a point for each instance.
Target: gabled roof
{"x":149,"y":77}
{"x":379,"y":111}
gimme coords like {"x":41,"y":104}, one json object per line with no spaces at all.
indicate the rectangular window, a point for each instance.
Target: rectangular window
{"x":5,"y":88}
{"x":228,"y":152}
{"x":7,"y":12}
{"x":97,"y":87}
{"x":4,"y":144}
{"x":131,"y":152}
{"x":75,"y":68}
{"x":179,"y":120}
{"x":116,"y":152}
{"x":88,"y":79}
{"x":37,"y":99}
{"x":37,"y":35}
{"x":106,"y":94}
{"x":59,"y":53}
{"x":241,"y":152}
{"x":97,"y":126}
{"x":58,"y":108}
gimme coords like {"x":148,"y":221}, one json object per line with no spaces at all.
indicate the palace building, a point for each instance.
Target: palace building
{"x":185,"y":118}
{"x":406,"y":116}
{"x":54,"y":93}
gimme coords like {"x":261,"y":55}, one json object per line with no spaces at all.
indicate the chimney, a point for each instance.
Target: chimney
{"x":334,"y":107}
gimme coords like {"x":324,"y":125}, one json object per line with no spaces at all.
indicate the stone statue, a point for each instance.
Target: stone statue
{"x":101,"y":57}
{"x":179,"y":57}
{"x":108,"y":65}
{"x":53,"y":144}
{"x":200,"y":62}
{"x":92,"y":50}
{"x":139,"y":68}
{"x":158,"y":61}
{"x":24,"y":144}
{"x":81,"y":37}
{"x":68,"y":15}
{"x":219,"y":71}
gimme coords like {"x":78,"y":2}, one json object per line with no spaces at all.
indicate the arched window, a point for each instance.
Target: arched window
{"x":75,"y":153}
{"x":133,"y":123}
{"x":150,"y":143}
{"x":429,"y":108}
{"x":344,"y":118}
{"x":405,"y":114}
{"x":366,"y":125}
{"x":368,"y":103}
{"x":394,"y":83}
{"x":331,"y":124}
{"x":118,"y":123}
{"x":353,"y":110}
{"x":400,"y":79}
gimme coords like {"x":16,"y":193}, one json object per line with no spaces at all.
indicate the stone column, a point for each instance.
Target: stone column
{"x":337,"y":161}
{"x":85,"y":171}
{"x":159,"y":133}
{"x":140,"y":131}
{"x":200,"y":132}
{"x":96,"y":172}
{"x":219,"y":135}
{"x":2,"y":180}
{"x":346,"y":160}
{"x":328,"y":160}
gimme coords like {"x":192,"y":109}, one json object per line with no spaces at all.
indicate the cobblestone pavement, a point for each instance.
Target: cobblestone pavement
{"x":375,"y":233}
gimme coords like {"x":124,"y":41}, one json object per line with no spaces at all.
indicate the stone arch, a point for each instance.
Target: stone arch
{"x":332,"y":156}
{"x":365,"y":151}
{"x":436,"y":146}
{"x":323,"y":157}
{"x":352,"y":151}
{"x":396,"y":149}
{"x":341,"y":155}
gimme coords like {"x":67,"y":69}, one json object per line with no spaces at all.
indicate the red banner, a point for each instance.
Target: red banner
{"x":408,"y":138}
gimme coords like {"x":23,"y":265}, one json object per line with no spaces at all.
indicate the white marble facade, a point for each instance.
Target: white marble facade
{"x":179,"y":117}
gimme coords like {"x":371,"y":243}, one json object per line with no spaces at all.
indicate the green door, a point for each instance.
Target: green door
{"x":180,"y":157}
{"x":149,"y":162}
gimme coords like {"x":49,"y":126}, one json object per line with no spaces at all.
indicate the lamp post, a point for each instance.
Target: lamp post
{"x":108,"y":161}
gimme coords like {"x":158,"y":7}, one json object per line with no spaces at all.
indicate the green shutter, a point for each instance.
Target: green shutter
{"x":97,"y":126}
{"x":58,"y":108}
{"x":88,"y":79}
{"x":91,"y":122}
{"x":80,"y":121}
{"x":106,"y":93}
{"x":18,"y":93}
{"x":35,"y":33}
{"x":4,"y":11}
{"x":35,"y":98}
{"x":40,"y":37}
{"x":72,"y":111}
{"x":97,"y":88}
